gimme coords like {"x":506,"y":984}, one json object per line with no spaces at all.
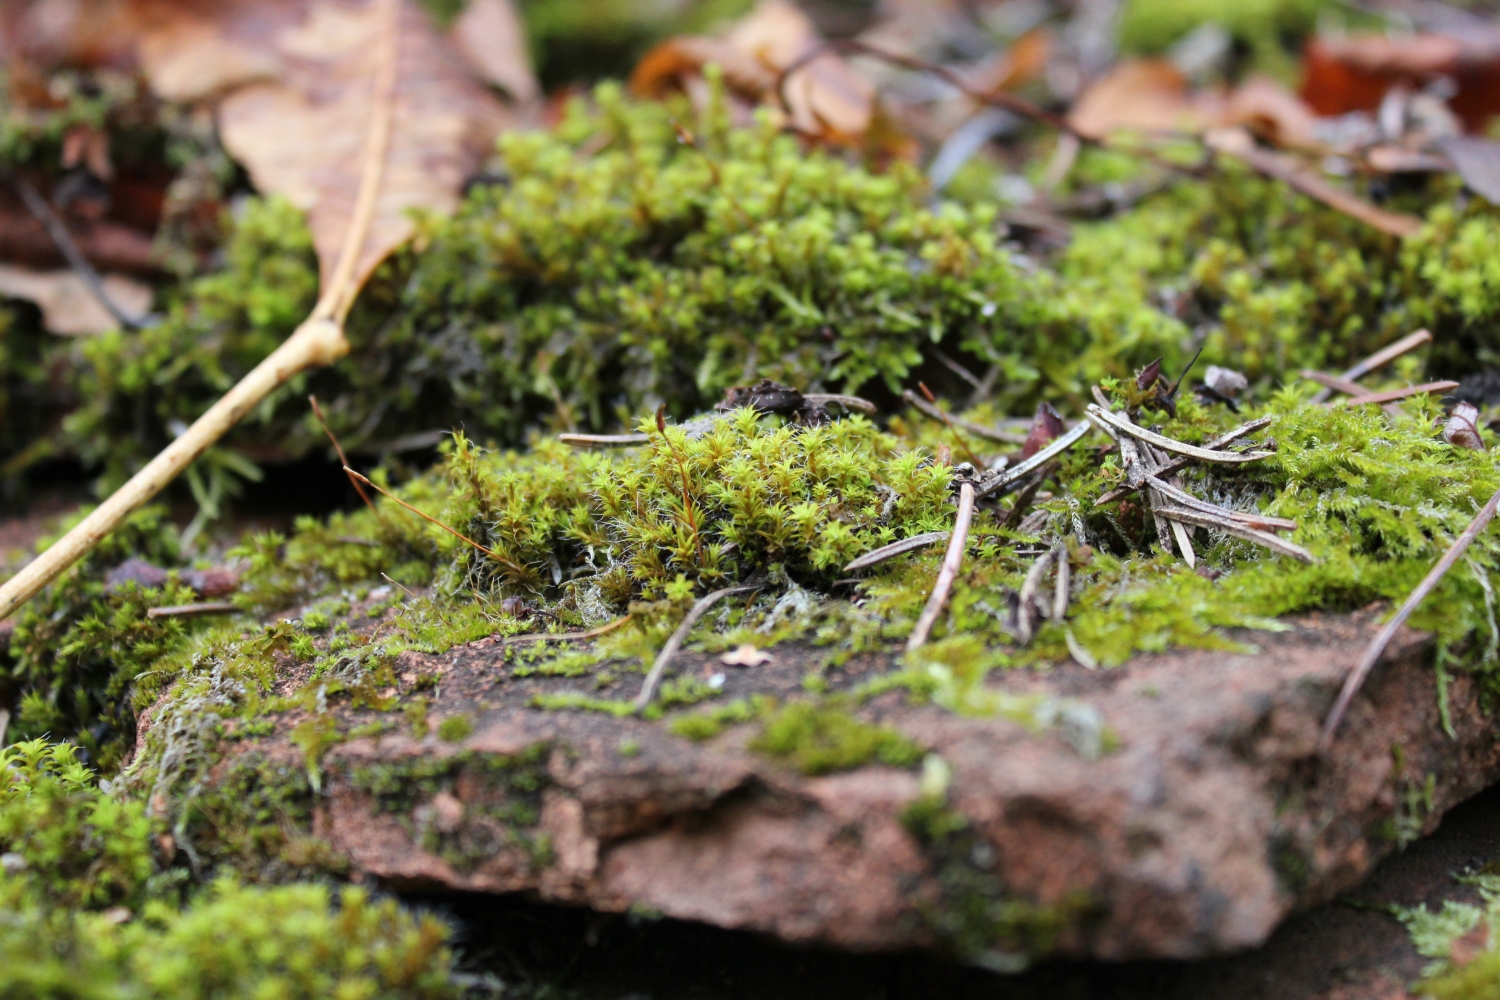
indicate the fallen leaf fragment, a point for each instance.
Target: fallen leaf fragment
{"x":1354,"y":72}
{"x":492,"y":38}
{"x":1477,"y":162}
{"x":296,"y":76}
{"x":68,"y":308}
{"x":745,"y":656}
{"x":825,"y":98}
{"x":1462,"y":427}
{"x":1140,"y":95}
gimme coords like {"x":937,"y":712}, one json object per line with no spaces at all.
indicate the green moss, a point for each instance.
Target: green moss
{"x":455,"y":728}
{"x":501,"y":802}
{"x":817,"y":739}
{"x":976,"y":915}
{"x":1271,"y":29}
{"x":79,"y":649}
{"x":703,"y":726}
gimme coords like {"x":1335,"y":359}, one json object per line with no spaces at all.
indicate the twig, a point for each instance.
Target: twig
{"x":1016,"y":517}
{"x":1064,"y":580}
{"x":847,"y":402}
{"x":428,"y":517}
{"x":1380,"y":359}
{"x":698,"y":610}
{"x":978,"y":430}
{"x":1169,"y":444}
{"x":63,"y":240}
{"x":897,"y":548}
{"x":1030,"y":587}
{"x":1178,"y":464}
{"x":569,"y":636}
{"x":1009,"y":476}
{"x":1273,"y":542}
{"x":318,"y":341}
{"x":188,"y":610}
{"x":1376,"y":648}
{"x":343,"y":459}
{"x":1395,"y":394}
{"x":1186,"y":499}
{"x":952,"y":560}
{"x":605,"y":440}
{"x":957,"y":437}
{"x":1239,"y":144}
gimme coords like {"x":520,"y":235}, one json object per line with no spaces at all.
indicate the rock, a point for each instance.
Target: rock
{"x":1173,"y":807}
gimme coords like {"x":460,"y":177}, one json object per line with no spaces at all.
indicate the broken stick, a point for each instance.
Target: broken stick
{"x":317,"y":342}
{"x":952,"y":560}
{"x":1376,"y":648}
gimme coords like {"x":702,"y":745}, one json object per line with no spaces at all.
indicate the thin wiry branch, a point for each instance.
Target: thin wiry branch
{"x":897,"y":548}
{"x":1376,"y":648}
{"x":679,"y":636}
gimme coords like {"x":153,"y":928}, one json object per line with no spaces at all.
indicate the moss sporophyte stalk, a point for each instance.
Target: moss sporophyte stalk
{"x":607,"y":272}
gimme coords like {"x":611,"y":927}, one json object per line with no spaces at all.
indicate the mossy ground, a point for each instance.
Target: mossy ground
{"x":610,"y":270}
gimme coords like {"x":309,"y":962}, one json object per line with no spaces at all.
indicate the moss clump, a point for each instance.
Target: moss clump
{"x":77,"y":650}
{"x":817,"y":739}
{"x":86,"y":917}
{"x":1272,"y":30}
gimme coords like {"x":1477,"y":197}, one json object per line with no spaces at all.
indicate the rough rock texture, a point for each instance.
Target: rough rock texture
{"x":1207,"y":820}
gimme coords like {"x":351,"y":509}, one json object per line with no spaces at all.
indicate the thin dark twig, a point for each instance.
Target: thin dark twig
{"x":1377,"y":647}
{"x":1379,"y":359}
{"x":343,"y":459}
{"x":952,"y":560}
{"x":428,"y":517}
{"x":999,"y":99}
{"x":1189,"y":367}
{"x":1016,"y":472}
{"x":698,"y":610}
{"x":978,"y":430}
{"x":926,"y":392}
{"x":57,"y":230}
{"x":1395,"y":394}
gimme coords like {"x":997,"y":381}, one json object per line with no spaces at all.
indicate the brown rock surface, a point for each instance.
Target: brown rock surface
{"x":1206,"y":821}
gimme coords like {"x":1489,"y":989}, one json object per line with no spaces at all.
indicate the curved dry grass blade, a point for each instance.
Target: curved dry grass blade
{"x":952,"y":560}
{"x":1273,"y":542}
{"x":679,"y":636}
{"x":191,"y":610}
{"x":1019,"y":471}
{"x":1376,"y":648}
{"x":1168,"y":444}
{"x":897,"y":548}
{"x":1030,"y":587}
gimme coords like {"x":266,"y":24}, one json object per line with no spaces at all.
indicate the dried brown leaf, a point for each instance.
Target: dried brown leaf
{"x":826,"y":97}
{"x":68,"y":308}
{"x":1462,"y":427}
{"x":492,"y":38}
{"x":296,"y":76}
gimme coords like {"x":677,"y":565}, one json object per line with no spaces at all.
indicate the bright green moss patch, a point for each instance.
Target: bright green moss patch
{"x":817,"y":739}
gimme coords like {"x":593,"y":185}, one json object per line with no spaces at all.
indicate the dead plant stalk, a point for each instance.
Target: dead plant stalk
{"x":1356,"y":678}
{"x":318,"y":341}
{"x":952,"y":560}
